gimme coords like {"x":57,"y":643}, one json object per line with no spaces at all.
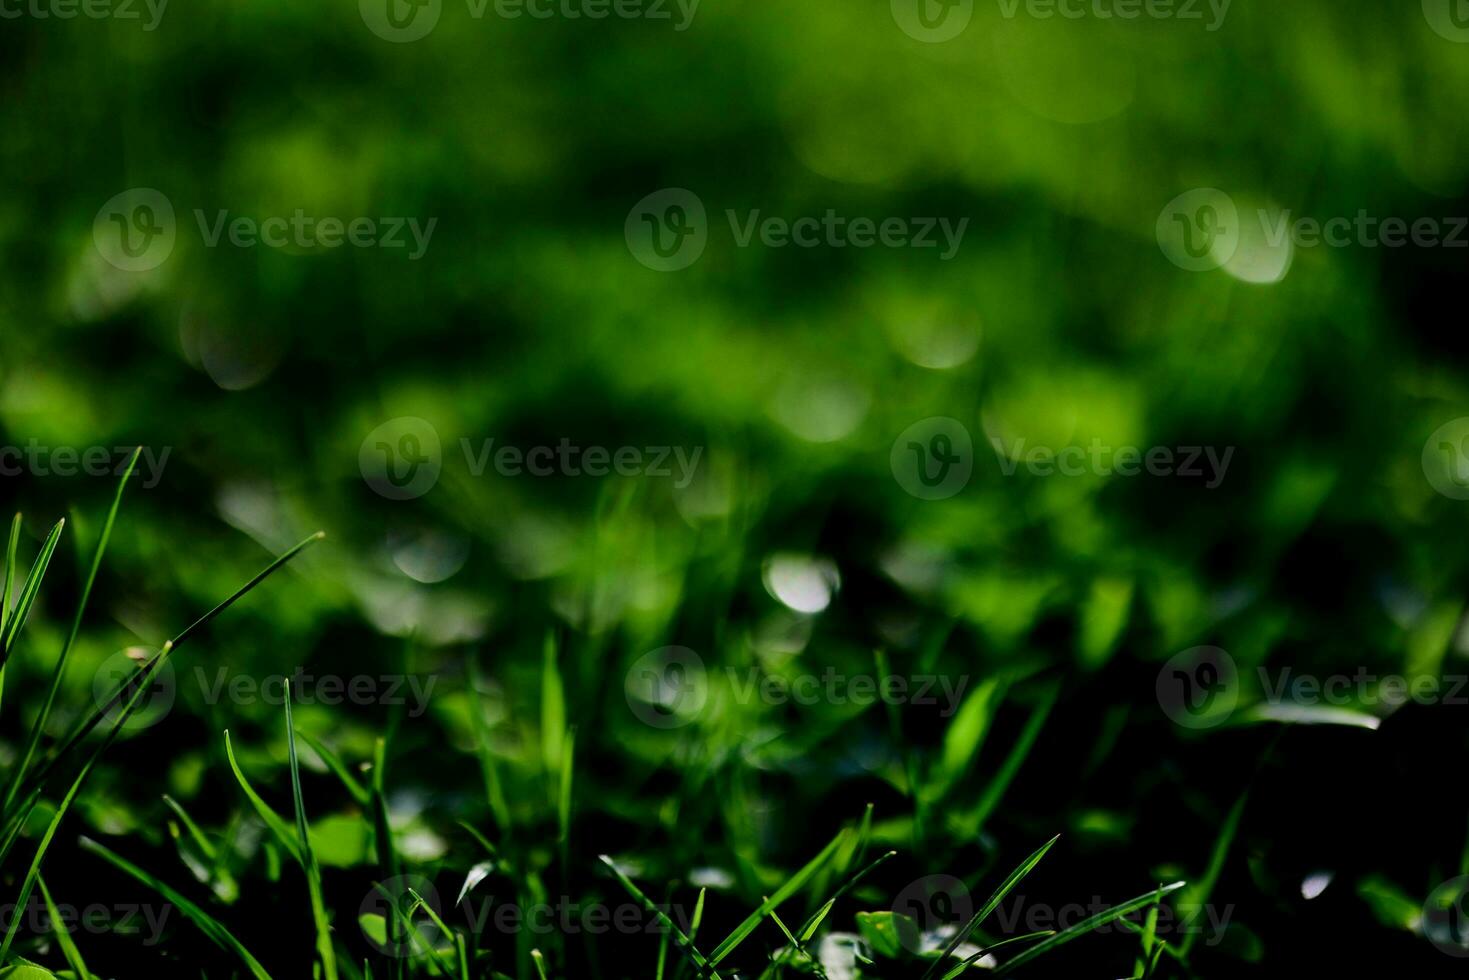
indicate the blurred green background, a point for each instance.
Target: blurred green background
{"x":529,"y":320}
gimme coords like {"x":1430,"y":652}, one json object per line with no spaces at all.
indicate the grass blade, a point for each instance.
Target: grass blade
{"x":76,"y":624}
{"x":207,"y":924}
{"x":69,"y":950}
{"x":686,"y":943}
{"x":994,"y":900}
{"x":145,"y":675}
{"x":785,"y":891}
{"x":1087,"y":925}
{"x":30,"y":590}
{"x":324,"y":947}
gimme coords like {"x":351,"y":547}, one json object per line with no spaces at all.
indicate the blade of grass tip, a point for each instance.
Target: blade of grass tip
{"x":1149,"y":934}
{"x":698,"y":919}
{"x":1020,"y":872}
{"x":10,"y":554}
{"x":992,"y":947}
{"x":10,"y":551}
{"x":207,"y":924}
{"x":1199,"y":895}
{"x":333,"y":762}
{"x":69,"y":951}
{"x":405,"y":920}
{"x":811,"y":924}
{"x":61,"y":810}
{"x":481,"y":839}
{"x":685,"y":943}
{"x":540,"y":962}
{"x":428,"y":910}
{"x":30,"y":589}
{"x":1086,"y":926}
{"x":144,"y":675}
{"x":195,"y":834}
{"x":785,"y":891}
{"x":324,"y":946}
{"x":59,"y":670}
{"x":995,"y":790}
{"x":797,"y":945}
{"x":269,"y":817}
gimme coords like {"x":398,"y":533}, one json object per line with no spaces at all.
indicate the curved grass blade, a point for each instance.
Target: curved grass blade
{"x":10,"y":551}
{"x":207,"y":924}
{"x":994,"y":946}
{"x":76,"y":624}
{"x":271,"y":819}
{"x":145,"y":674}
{"x":69,"y":950}
{"x":701,"y":963}
{"x":339,"y":768}
{"x":30,"y":590}
{"x":324,"y":947}
{"x":1087,"y":925}
{"x":995,"y":899}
